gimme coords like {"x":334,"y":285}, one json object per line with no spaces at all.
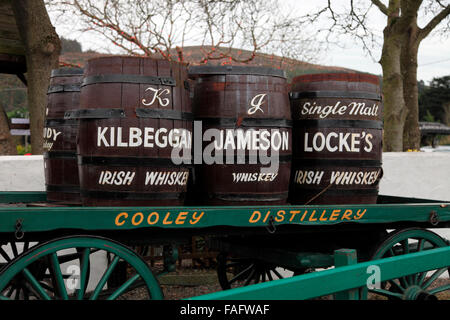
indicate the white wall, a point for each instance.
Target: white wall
{"x":406,"y":174}
{"x":417,"y":175}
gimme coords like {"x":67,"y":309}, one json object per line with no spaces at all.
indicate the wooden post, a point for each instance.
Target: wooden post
{"x":345,"y":257}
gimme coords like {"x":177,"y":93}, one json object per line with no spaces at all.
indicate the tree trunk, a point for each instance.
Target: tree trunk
{"x":7,"y":146}
{"x":410,"y":48}
{"x":42,"y":47}
{"x":394,"y":103}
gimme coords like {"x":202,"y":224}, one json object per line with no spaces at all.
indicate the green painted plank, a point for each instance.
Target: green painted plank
{"x":330,"y":281}
{"x":128,"y":218}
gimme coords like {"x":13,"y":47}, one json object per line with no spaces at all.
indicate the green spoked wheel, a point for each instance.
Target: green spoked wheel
{"x":420,"y":286}
{"x":238,"y":272}
{"x":60,"y":270}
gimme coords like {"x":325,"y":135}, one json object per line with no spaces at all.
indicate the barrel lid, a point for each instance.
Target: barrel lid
{"x":236,"y":70}
{"x":67,"y":72}
{"x":338,"y":76}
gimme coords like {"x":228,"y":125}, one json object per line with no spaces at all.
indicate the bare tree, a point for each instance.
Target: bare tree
{"x":165,"y":27}
{"x":401,"y":40}
{"x":42,"y":47}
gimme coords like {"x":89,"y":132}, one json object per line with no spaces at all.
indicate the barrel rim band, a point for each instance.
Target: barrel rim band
{"x":131,"y":162}
{"x":129,"y":78}
{"x":356,"y":163}
{"x":262,"y":197}
{"x":113,"y":113}
{"x":61,"y":122}
{"x":236,"y":70}
{"x":247,"y":122}
{"x":164,"y":114}
{"x":335,"y":94}
{"x":67,"y":72}
{"x":335,"y":192}
{"x":131,"y":195}
{"x":69,"y":155}
{"x":284,"y":158}
{"x":63,"y":88}
{"x":336,"y":123}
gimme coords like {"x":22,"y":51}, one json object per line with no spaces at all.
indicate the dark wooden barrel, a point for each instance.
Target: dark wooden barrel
{"x":248,"y":108}
{"x":337,"y":133}
{"x":134,"y":113}
{"x":60,"y":160}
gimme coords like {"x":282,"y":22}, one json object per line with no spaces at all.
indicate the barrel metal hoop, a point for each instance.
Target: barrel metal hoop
{"x":247,"y":122}
{"x":64,"y":88}
{"x":164,"y":114}
{"x":112,"y":195}
{"x":335,"y":94}
{"x":129,"y":78}
{"x":263,"y":197}
{"x":61,"y":122}
{"x":245,"y":158}
{"x":95,"y":114}
{"x":334,"y":123}
{"x":68,"y":155}
{"x":131,"y":162}
{"x":342,"y":192}
{"x":355,"y":163}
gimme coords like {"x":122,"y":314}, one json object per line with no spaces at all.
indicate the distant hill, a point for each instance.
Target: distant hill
{"x":194,"y":54}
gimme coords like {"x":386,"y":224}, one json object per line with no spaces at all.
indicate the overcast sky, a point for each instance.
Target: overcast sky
{"x":433,"y":59}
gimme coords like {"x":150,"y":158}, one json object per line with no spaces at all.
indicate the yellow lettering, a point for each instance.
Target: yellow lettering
{"x":359,"y":215}
{"x":149,"y":218}
{"x":196,"y":218}
{"x":312,"y":215}
{"x":335,"y":215}
{"x":141,"y":218}
{"x":293,"y":214}
{"x":166,"y":221}
{"x":280,"y":215}
{"x":321,"y":217}
{"x":120,"y":215}
{"x":347,"y":215}
{"x":267,"y":216}
{"x":181,"y":217}
{"x":255,"y":217}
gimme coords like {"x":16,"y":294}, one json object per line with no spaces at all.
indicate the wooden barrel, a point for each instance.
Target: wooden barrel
{"x":135,"y":113}
{"x":60,"y":160}
{"x":243,"y":113}
{"x":337,"y":133}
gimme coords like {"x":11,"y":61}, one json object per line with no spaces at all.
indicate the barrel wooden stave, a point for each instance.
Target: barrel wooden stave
{"x":130,"y":97}
{"x":353,"y":138}
{"x":60,"y":135}
{"x":222,"y":100}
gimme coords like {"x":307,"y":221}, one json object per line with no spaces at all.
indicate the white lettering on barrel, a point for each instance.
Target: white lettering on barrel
{"x":337,"y":142}
{"x":118,"y":178}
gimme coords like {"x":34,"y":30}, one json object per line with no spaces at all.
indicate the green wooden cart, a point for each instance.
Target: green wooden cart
{"x":48,"y":252}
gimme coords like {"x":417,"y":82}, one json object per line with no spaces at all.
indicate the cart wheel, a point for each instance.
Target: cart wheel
{"x":11,"y":250}
{"x":420,"y":286}
{"x":238,"y":272}
{"x":72,"y":280}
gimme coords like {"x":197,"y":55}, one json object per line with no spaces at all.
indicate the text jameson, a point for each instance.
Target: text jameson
{"x":229,"y":146}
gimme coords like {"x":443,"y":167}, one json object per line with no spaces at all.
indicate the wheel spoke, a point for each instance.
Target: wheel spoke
{"x":104,"y":278}
{"x":250,"y":277}
{"x":56,"y":268}
{"x":433,"y":277}
{"x":124,"y":287}
{"x":269,"y":275}
{"x":240,"y":274}
{"x":83,"y":273}
{"x":35,"y":284}
{"x":14,"y":249}
{"x":439,"y":289}
{"x":278,"y":274}
{"x":4,"y":255}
